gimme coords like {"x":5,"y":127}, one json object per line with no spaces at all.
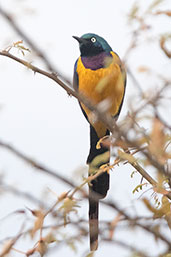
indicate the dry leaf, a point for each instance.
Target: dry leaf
{"x":49,"y":238}
{"x":160,"y":190}
{"x":163,"y":211}
{"x":152,"y":209}
{"x":166,"y":205}
{"x":68,"y":206}
{"x":157,"y":141}
{"x":134,"y":11}
{"x":168,"y":13}
{"x":41,"y":248}
{"x":126,"y":156}
{"x":143,"y":69}
{"x":63,"y":196}
{"x":38,"y":222}
{"x":7,"y":247}
{"x":163,"y":40}
{"x":30,"y":252}
{"x":159,"y":187}
{"x":154,"y":4}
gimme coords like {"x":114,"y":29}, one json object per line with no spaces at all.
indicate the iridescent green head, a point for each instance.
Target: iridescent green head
{"x":91,"y":44}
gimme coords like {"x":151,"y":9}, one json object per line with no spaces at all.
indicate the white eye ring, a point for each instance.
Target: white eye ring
{"x":93,"y":39}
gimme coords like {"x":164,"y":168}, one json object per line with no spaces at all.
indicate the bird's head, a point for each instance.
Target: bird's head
{"x":92,"y":44}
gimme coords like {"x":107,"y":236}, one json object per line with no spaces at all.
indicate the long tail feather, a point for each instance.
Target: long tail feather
{"x":93,"y":223}
{"x":98,"y":187}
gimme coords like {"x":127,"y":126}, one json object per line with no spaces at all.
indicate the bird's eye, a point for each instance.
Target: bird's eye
{"x":93,"y":39}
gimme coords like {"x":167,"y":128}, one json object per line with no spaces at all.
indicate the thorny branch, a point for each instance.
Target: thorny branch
{"x":163,"y":47}
{"x":100,"y":115}
{"x":32,"y":45}
{"x":14,"y":191}
{"x":112,"y":126}
{"x":106,"y":203}
{"x":106,"y":119}
{"x":81,"y":98}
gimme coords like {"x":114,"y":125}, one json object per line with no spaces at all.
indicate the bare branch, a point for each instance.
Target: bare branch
{"x":36,"y":164}
{"x":163,"y":47}
{"x":26,"y":195}
{"x":122,"y":244}
{"x":35,"y":48}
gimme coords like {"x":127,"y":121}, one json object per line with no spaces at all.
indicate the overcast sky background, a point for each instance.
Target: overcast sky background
{"x":39,"y":118}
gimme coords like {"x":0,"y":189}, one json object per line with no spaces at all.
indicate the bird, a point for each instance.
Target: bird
{"x":100,"y":76}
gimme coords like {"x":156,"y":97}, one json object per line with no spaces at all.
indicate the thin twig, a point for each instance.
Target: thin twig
{"x":125,"y":245}
{"x":37,"y":165}
{"x":106,"y":119}
{"x":26,"y":195}
{"x":33,"y":46}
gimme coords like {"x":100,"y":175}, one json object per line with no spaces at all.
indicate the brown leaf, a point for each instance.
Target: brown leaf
{"x":38,"y":222}
{"x":41,"y":248}
{"x":160,"y":190}
{"x":143,"y":69}
{"x":163,"y":40}
{"x":30,"y":252}
{"x":7,"y":247}
{"x":157,"y":141}
{"x":63,"y":196}
{"x":168,"y":13}
{"x":50,"y":238}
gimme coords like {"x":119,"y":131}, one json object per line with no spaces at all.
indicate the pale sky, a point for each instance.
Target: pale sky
{"x":39,"y":118}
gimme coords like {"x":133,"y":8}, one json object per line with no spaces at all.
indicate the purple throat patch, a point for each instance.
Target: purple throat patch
{"x":95,"y":62}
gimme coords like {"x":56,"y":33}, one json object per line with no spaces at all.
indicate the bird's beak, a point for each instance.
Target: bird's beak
{"x":80,"y":40}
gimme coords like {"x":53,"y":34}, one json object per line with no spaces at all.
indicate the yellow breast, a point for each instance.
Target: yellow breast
{"x":102,"y":84}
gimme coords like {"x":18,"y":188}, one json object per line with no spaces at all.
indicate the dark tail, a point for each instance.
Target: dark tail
{"x":93,"y":222}
{"x":99,"y":186}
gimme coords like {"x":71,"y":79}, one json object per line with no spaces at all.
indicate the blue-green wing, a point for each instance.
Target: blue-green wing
{"x":75,"y":77}
{"x":76,"y":85}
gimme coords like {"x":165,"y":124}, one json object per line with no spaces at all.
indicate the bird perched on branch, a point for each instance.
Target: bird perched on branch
{"x":100,"y":77}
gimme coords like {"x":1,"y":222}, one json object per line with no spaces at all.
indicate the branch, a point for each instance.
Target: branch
{"x":163,"y":47}
{"x":106,"y":119}
{"x":36,"y":165}
{"x":26,"y":195}
{"x":133,"y":222}
{"x":36,"y":49}
{"x":125,"y":245}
